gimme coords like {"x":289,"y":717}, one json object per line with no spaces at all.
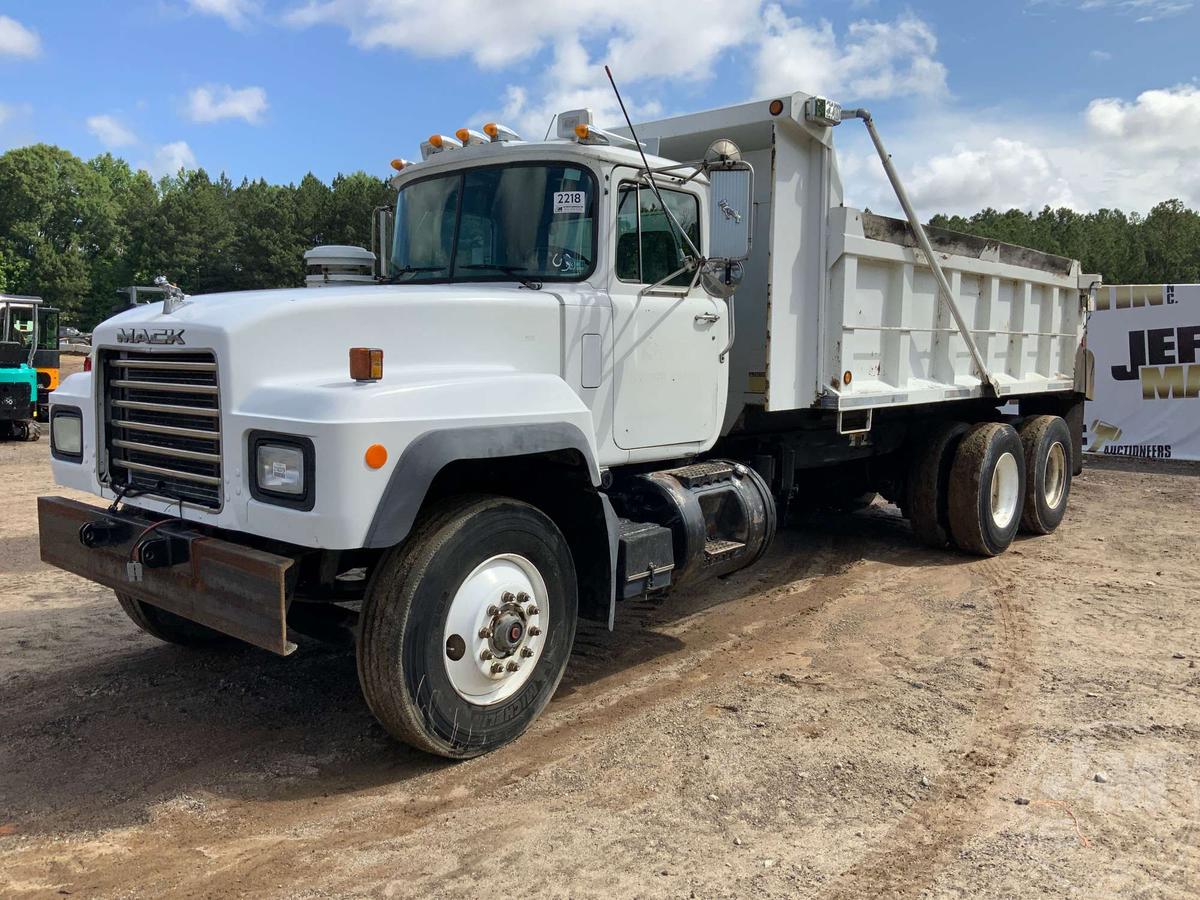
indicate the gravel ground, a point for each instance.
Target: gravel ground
{"x":857,"y":716}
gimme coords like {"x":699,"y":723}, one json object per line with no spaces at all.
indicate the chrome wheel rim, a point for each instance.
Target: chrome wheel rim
{"x":495,"y":629}
{"x":1054,"y":481}
{"x":1006,"y":482}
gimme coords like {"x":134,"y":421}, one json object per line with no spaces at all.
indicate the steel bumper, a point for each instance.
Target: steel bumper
{"x":233,"y":589}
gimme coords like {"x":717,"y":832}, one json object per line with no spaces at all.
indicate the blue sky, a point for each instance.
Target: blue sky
{"x":1085,"y":103}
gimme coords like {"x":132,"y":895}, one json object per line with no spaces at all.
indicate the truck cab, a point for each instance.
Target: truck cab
{"x":576,"y":372}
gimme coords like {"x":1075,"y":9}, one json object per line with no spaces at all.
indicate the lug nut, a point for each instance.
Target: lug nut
{"x":485,"y":655}
{"x":522,"y":597}
{"x":497,"y":668}
{"x":493,"y":611}
{"x":485,"y":632}
{"x":534,"y":631}
{"x":531,"y":610}
{"x":526,"y":652}
{"x":512,"y":666}
{"x":506,"y":597}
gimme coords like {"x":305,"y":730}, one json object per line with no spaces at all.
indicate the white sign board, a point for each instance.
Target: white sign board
{"x":1145,"y":340}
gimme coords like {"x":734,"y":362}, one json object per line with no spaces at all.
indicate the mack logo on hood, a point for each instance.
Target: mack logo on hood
{"x":150,"y":336}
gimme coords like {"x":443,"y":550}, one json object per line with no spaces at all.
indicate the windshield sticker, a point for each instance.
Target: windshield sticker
{"x":569,"y":202}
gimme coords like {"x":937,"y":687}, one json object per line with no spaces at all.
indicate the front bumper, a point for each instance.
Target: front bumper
{"x":237,"y":590}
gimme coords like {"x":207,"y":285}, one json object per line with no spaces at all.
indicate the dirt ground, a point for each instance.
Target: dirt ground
{"x":855,"y":717}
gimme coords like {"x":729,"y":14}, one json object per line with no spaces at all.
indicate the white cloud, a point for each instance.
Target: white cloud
{"x":1158,"y":121}
{"x":1100,"y":55}
{"x":647,"y":37}
{"x":17,"y":40}
{"x":1115,"y":153}
{"x":110,"y":132}
{"x":213,"y":103}
{"x":1143,"y":10}
{"x":1003,"y":174}
{"x":169,"y":159}
{"x":644,"y":41}
{"x":237,"y":13}
{"x":876,"y":60}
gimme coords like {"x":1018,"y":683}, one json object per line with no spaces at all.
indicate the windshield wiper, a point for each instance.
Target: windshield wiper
{"x":409,"y":270}
{"x":511,"y":271}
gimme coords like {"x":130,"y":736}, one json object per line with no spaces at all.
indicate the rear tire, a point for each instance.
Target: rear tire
{"x":1048,"y":467}
{"x":987,"y":488}
{"x":927,"y":503}
{"x":450,"y":592}
{"x":166,"y":626}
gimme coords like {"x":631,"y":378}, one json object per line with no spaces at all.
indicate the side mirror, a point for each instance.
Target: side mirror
{"x":730,"y":211}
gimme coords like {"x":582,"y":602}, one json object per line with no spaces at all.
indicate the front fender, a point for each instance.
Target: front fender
{"x":430,"y":453}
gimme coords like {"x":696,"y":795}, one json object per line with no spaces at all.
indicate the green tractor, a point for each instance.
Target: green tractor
{"x":18,"y":373}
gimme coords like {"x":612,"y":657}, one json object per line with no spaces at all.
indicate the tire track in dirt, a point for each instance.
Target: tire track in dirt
{"x":910,"y":856}
{"x":602,"y":692}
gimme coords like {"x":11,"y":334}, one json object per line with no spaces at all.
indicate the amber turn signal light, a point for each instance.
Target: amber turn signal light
{"x":375,"y":456}
{"x":366,"y":363}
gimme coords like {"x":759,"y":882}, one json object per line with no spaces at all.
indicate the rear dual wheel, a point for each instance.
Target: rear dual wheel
{"x":1048,"y":464}
{"x":467,"y":626}
{"x":986,"y":489}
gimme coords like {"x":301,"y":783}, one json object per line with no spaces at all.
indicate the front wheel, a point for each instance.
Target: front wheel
{"x":467,"y":626}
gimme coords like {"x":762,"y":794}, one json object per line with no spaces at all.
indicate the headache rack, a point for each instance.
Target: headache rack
{"x":162,"y":424}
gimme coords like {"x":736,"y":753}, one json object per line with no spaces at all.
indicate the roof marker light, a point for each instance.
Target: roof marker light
{"x":498,"y":133}
{"x":400,"y":164}
{"x":437,"y":143}
{"x":470,"y":138}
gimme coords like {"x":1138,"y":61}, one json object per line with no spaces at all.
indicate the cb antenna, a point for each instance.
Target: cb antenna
{"x":646,"y":163}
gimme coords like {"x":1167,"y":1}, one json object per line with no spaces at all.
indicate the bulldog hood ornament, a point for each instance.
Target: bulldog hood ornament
{"x":173,"y":297}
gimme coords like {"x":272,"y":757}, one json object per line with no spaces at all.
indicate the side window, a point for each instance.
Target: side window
{"x":648,"y":246}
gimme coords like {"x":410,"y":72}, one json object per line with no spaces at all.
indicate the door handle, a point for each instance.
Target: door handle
{"x":708,"y":318}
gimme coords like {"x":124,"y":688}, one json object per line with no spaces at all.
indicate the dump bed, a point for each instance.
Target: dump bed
{"x":839,"y":308}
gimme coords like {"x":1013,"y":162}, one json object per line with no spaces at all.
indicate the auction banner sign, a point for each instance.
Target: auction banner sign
{"x":1145,"y":340}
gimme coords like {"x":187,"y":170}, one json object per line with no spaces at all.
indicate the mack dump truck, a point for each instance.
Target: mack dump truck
{"x":582,"y":370}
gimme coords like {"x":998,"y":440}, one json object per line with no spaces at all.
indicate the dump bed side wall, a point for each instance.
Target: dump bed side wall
{"x":886,"y":327}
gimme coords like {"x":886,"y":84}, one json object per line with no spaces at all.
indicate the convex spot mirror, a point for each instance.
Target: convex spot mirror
{"x":731,"y":211}
{"x":720,"y":278}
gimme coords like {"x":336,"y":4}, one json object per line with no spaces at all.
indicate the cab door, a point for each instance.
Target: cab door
{"x":667,"y":343}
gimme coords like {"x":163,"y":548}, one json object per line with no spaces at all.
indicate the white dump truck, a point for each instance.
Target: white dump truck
{"x":582,"y":370}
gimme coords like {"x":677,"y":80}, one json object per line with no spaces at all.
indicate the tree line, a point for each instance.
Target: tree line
{"x":73,"y":232}
{"x":1162,"y":247}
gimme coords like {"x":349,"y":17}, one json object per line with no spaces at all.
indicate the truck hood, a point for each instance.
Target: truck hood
{"x":303,"y":335}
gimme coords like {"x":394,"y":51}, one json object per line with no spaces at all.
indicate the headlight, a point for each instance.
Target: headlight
{"x":66,"y":433}
{"x":283,"y":469}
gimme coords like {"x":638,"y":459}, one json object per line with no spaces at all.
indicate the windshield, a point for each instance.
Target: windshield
{"x":499,"y":223}
{"x":18,"y":324}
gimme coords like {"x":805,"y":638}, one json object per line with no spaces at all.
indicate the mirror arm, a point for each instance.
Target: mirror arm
{"x":682,"y":292}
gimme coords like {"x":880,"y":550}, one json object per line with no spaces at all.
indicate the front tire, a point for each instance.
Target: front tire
{"x":467,"y":626}
{"x":1048,"y":466}
{"x":987,"y":488}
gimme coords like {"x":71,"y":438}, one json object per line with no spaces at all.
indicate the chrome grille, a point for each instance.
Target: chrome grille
{"x":163,"y":424}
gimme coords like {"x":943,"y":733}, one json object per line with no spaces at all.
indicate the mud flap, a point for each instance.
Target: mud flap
{"x":236,"y":590}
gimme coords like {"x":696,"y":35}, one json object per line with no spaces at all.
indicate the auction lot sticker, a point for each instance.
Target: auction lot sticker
{"x":570,"y":202}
